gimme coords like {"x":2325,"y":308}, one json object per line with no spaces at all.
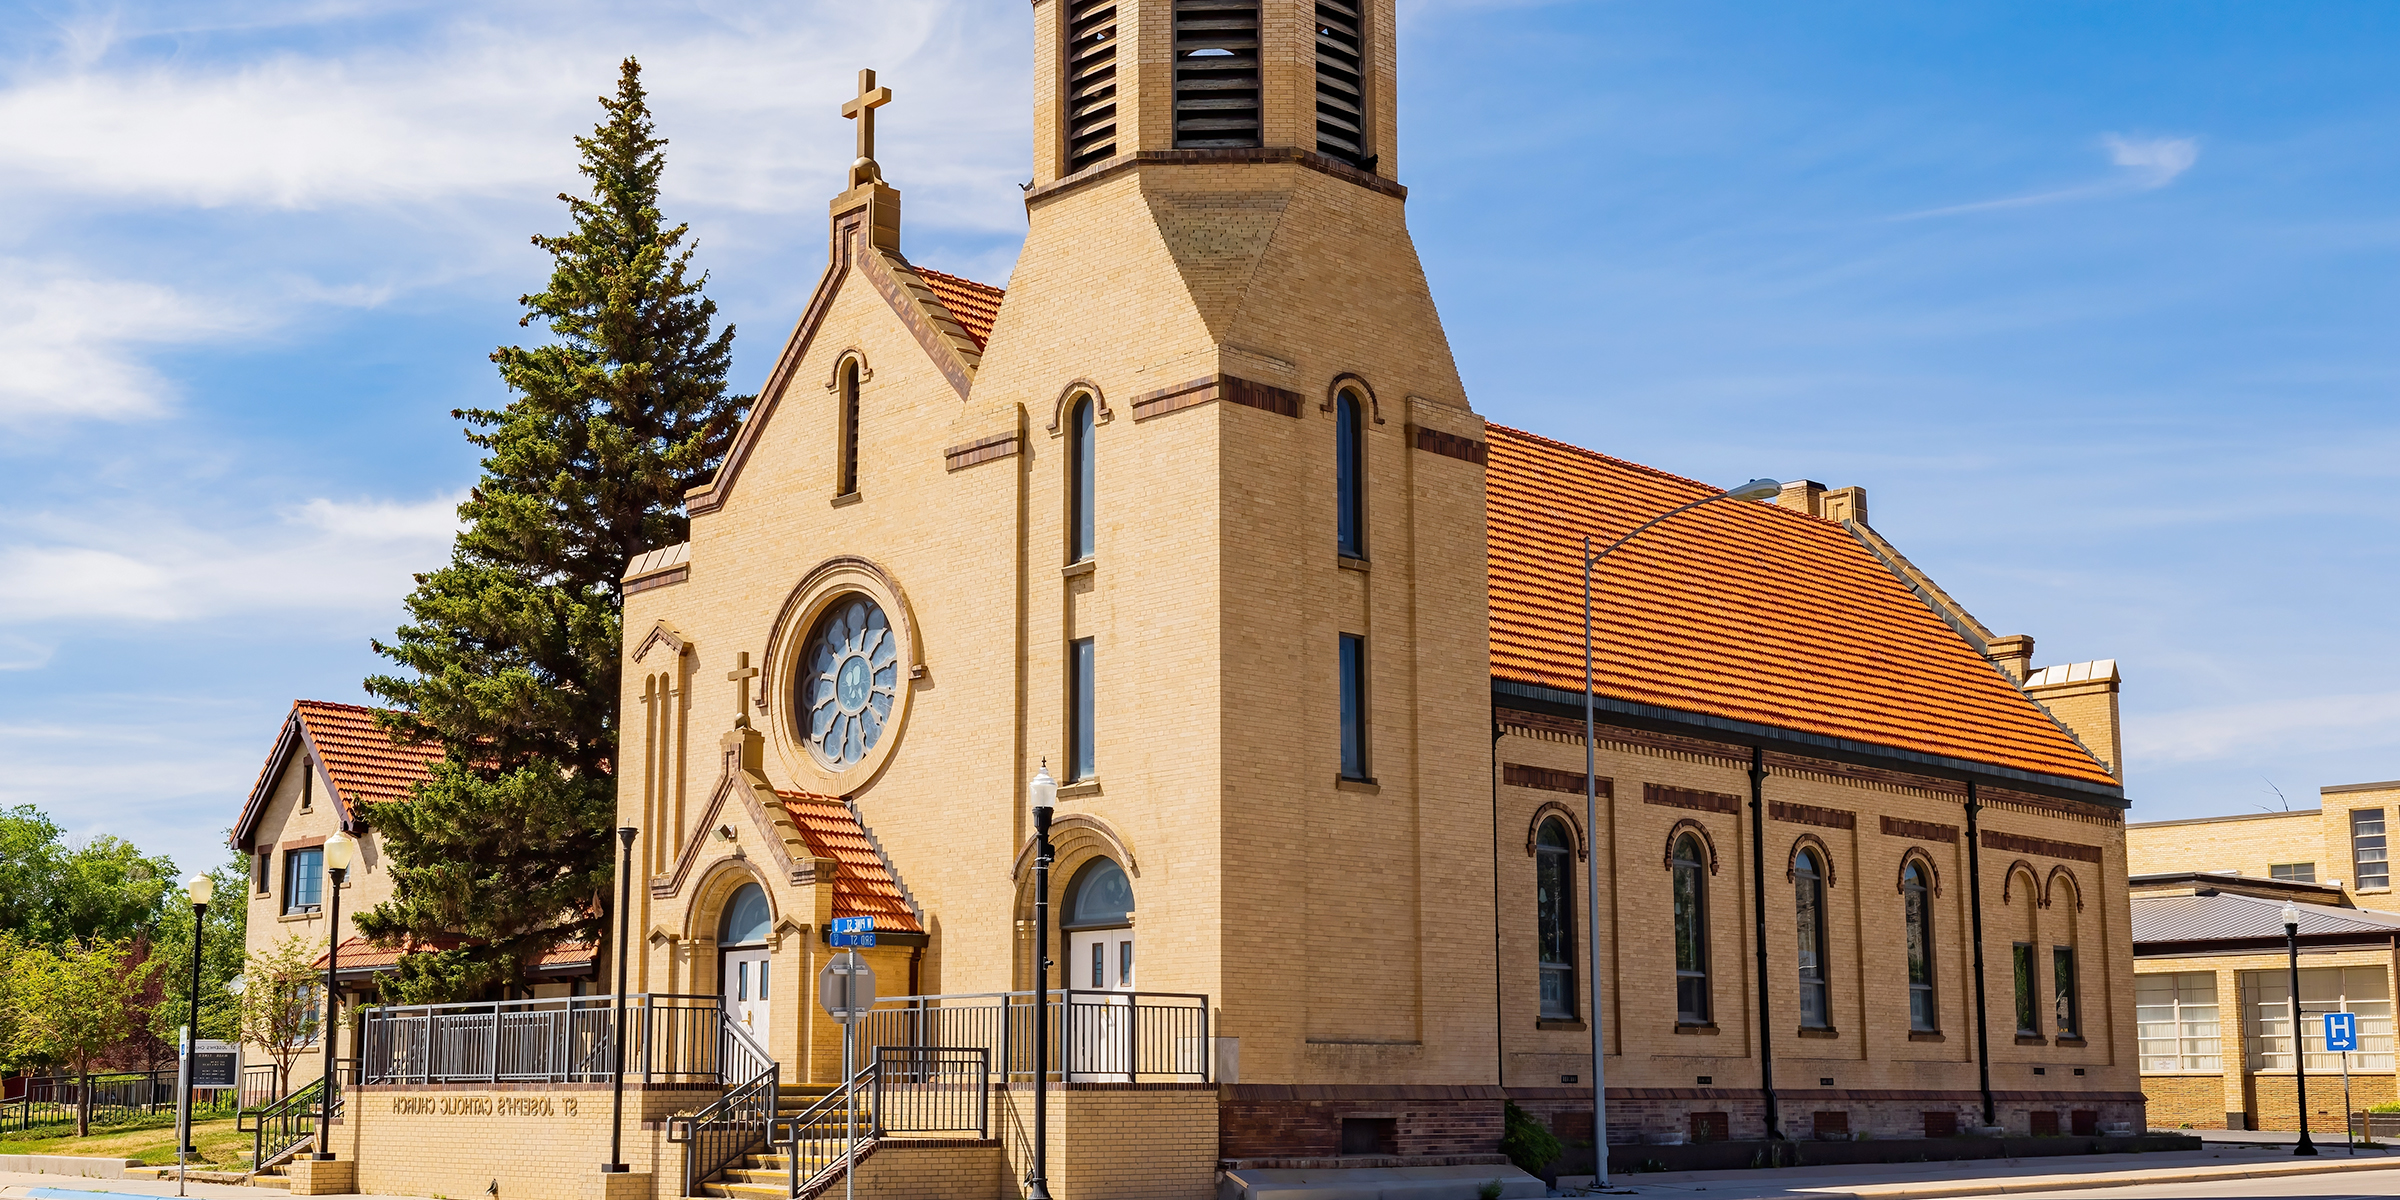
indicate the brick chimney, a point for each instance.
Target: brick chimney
{"x":2013,"y":654}
{"x":2083,"y":696}
{"x":1845,"y":504}
{"x":1803,"y":495}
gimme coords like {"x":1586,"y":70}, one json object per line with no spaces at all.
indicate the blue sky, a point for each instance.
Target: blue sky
{"x":2096,"y":300}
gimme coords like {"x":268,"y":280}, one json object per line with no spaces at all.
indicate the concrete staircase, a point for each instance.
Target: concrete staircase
{"x":768,"y":1176}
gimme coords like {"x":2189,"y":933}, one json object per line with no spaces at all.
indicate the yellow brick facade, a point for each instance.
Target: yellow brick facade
{"x":2254,"y":844}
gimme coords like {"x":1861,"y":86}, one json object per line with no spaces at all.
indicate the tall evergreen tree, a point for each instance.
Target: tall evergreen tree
{"x":512,"y":649}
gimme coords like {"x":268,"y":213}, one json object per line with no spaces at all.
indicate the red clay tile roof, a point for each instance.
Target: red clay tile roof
{"x":1743,"y":611}
{"x":976,"y":305}
{"x":359,"y":955}
{"x":359,"y":756}
{"x":865,"y":887}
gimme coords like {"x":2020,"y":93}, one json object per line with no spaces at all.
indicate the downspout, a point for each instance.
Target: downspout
{"x":1499,"y":1011}
{"x":1758,"y":900}
{"x":1983,"y":1032}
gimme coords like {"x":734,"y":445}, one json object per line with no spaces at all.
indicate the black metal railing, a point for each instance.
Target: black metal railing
{"x":670,"y":1039}
{"x":1095,"y":1035}
{"x":739,"y":1123}
{"x":40,"y":1103}
{"x":823,"y":1140}
{"x":930,"y":1089}
{"x":282,"y":1127}
{"x":262,"y":1085}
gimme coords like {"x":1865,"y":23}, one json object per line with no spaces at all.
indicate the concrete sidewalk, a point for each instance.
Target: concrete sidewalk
{"x":17,"y":1186}
{"x":1998,"y":1177}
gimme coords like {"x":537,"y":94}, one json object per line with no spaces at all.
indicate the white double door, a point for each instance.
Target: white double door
{"x":749,"y":987}
{"x":1100,"y":1027}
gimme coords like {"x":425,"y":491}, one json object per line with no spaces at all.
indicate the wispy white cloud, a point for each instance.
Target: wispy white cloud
{"x":322,"y":556}
{"x":2143,"y":164}
{"x":24,"y":653}
{"x":2279,"y":728}
{"x":76,"y":347}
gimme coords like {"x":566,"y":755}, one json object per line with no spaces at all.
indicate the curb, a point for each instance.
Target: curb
{"x":2067,"y":1183}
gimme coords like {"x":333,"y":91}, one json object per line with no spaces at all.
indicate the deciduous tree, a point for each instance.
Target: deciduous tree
{"x":280,"y":1010}
{"x":72,"y":1004}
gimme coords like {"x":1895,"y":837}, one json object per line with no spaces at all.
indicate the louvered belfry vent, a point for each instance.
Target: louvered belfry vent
{"x":1216,"y":73}
{"x":1341,"y":92}
{"x":1091,"y":82}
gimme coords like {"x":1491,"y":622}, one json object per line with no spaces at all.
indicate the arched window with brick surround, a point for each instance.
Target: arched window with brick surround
{"x":1808,"y":901}
{"x":1916,"y":900}
{"x":1554,"y":918}
{"x":1690,"y":867}
{"x":1082,"y":482}
{"x":1350,"y":474}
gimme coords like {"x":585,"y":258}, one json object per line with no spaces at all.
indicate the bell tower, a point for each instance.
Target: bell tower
{"x":1251,"y":524}
{"x":1139,"y":77}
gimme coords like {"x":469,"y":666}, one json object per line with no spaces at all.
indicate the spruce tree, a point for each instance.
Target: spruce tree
{"x":512,"y":649}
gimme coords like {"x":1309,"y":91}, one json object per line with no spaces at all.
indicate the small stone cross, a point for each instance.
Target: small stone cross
{"x":740,"y":677}
{"x":862,"y":109}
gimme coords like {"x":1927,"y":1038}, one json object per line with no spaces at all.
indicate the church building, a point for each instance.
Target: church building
{"x":1197,"y":519}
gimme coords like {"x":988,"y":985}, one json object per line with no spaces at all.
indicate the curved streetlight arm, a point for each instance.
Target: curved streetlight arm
{"x":1645,"y":526}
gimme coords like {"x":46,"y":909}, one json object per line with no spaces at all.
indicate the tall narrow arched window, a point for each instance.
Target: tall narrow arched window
{"x":1917,"y":900}
{"x":1350,"y":476}
{"x":1081,"y":526}
{"x":1554,"y":917}
{"x":1691,"y":932}
{"x":849,"y":430}
{"x":1808,"y":902}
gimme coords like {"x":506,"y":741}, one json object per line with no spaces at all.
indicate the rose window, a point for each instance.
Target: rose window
{"x":846,"y":687}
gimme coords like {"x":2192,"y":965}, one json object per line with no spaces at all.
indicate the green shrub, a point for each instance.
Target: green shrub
{"x":1527,"y":1142}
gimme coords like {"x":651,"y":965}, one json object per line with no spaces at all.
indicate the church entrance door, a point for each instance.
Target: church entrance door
{"x":749,"y":985}
{"x":1100,"y":1005}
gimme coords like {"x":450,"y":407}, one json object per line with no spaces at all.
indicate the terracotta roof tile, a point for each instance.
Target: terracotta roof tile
{"x":360,"y":955}
{"x":865,"y":887}
{"x":361,"y":759}
{"x":976,"y":305}
{"x":1743,"y":611}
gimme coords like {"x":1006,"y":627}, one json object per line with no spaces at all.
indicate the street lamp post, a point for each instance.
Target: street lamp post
{"x":1756,"y":489}
{"x":1043,"y":795}
{"x":616,"y":1121}
{"x":201,"y":889}
{"x":2291,"y":945}
{"x":338,"y":849}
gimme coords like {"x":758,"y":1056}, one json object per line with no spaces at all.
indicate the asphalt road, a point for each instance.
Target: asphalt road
{"x":2315,"y":1187}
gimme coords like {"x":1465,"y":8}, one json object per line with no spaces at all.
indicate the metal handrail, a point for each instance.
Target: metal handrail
{"x":736,"y":1123}
{"x":1136,"y":1036}
{"x":287,"y":1124}
{"x":670,"y":1038}
{"x":828,"y":1121}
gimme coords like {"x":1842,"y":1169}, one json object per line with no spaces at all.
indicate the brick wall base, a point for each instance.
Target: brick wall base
{"x":2273,"y":1100}
{"x":2186,"y":1101}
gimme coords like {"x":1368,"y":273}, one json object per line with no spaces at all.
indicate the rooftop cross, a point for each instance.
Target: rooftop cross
{"x":740,"y":677}
{"x":862,"y":109}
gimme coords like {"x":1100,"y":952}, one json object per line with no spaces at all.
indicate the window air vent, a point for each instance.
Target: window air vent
{"x":1341,"y":71}
{"x":1216,"y":73}
{"x":1091,"y":83}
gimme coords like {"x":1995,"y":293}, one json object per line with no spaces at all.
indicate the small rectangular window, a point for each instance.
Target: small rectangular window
{"x":1082,"y":745}
{"x":2295,"y":872}
{"x":2062,"y":987}
{"x":1099,"y":965}
{"x":2029,"y":1005}
{"x":304,"y":880}
{"x":260,"y":867}
{"x":1125,"y":963}
{"x":1354,"y":706}
{"x":2366,"y":848}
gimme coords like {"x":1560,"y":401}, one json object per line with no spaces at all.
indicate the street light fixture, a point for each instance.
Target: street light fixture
{"x":201,"y":889}
{"x":1756,"y":489}
{"x":338,"y":850}
{"x":1042,"y":795}
{"x":2291,"y":945}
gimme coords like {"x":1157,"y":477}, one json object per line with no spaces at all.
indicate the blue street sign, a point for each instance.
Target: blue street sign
{"x":2341,"y":1031}
{"x":844,"y":940}
{"x":854,"y":925}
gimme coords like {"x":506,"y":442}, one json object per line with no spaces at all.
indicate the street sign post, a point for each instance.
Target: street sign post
{"x":846,"y":990}
{"x":2341,"y":1034}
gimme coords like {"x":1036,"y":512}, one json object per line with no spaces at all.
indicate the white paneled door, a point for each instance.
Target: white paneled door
{"x":749,"y":985}
{"x":1100,"y":1019}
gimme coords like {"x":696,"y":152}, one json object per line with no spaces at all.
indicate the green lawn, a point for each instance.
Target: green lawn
{"x":219,"y":1145}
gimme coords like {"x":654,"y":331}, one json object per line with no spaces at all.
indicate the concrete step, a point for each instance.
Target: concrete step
{"x":747,"y":1191}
